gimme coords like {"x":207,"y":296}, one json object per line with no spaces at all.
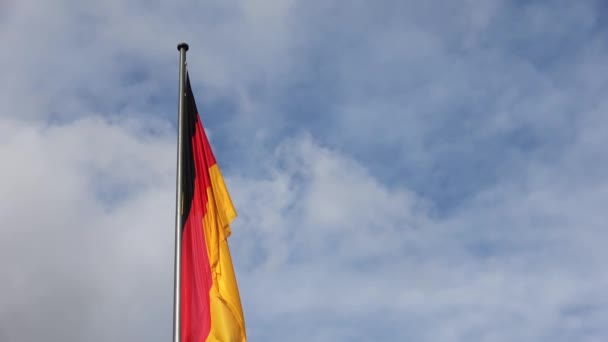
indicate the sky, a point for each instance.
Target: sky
{"x":402,"y":170}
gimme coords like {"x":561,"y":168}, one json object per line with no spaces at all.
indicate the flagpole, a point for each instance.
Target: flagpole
{"x":182,"y":47}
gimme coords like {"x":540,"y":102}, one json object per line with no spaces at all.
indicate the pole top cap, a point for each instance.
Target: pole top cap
{"x":181,"y":46}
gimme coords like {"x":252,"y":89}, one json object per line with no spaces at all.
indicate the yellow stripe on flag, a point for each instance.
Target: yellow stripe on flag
{"x":227,"y":319}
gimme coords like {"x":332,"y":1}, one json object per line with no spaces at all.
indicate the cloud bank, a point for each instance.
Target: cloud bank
{"x":402,"y":171}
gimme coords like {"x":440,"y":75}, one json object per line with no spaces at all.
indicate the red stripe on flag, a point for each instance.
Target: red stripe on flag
{"x":196,"y":277}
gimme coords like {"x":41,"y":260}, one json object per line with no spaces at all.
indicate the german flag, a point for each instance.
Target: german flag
{"x":210,"y":305}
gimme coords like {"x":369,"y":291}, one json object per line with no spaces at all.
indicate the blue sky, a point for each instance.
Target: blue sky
{"x":402,"y":170}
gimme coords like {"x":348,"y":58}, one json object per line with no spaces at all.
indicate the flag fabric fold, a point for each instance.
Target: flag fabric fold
{"x":210,"y":303}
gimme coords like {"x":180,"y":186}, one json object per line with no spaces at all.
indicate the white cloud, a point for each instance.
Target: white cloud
{"x":342,"y":231}
{"x":66,"y":252}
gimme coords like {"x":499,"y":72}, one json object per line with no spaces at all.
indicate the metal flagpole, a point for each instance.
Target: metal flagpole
{"x":182,"y":47}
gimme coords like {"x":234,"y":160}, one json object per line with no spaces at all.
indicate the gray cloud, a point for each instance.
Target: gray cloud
{"x":402,"y":171}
